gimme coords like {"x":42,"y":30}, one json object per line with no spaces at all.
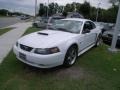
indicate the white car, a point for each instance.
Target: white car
{"x":58,"y":45}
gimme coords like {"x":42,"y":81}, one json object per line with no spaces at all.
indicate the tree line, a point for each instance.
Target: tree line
{"x":85,"y":9}
{"x":4,"y":12}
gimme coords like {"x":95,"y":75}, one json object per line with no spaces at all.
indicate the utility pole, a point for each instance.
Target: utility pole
{"x":97,"y":12}
{"x":45,"y":9}
{"x":116,"y":31}
{"x":63,"y":9}
{"x":35,"y":10}
{"x":90,"y":9}
{"x":75,"y":9}
{"x":48,"y":9}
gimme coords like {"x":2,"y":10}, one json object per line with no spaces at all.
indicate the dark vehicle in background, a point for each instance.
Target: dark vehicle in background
{"x":107,"y":27}
{"x":53,"y":19}
{"x":108,"y":36}
{"x":41,"y":22}
{"x":45,"y":22}
{"x":24,"y":17}
{"x":74,"y":15}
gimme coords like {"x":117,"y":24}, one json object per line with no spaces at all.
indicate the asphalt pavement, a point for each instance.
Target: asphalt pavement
{"x":7,"y":21}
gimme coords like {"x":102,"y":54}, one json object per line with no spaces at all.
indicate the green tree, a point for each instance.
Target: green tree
{"x":60,"y":9}
{"x":51,"y":9}
{"x":42,"y":10}
{"x":85,"y":9}
{"x":68,"y":8}
{"x":4,"y":12}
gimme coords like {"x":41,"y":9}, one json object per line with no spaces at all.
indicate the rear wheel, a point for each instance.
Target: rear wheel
{"x":71,"y":56}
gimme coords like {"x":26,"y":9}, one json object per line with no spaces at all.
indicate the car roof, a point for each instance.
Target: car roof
{"x":77,"y":19}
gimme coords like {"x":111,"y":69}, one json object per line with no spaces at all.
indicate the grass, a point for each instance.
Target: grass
{"x":31,"y":30}
{"x":97,"y":69}
{"x":2,"y":31}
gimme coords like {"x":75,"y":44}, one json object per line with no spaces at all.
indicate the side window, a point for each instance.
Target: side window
{"x":93,"y":25}
{"x":87,"y":27}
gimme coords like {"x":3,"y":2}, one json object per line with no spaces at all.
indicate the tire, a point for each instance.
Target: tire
{"x":71,"y":56}
{"x":99,"y":40}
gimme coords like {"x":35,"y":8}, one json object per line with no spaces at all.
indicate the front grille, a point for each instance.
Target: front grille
{"x":26,"y":48}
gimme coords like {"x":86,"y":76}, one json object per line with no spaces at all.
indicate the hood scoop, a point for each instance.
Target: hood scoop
{"x":43,"y":33}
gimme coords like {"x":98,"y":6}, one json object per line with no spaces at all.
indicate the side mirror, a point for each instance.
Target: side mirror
{"x":86,"y":31}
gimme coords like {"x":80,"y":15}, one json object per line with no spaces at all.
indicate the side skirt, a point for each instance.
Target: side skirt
{"x":83,"y":51}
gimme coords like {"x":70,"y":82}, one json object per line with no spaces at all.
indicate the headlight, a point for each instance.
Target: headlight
{"x":47,"y":51}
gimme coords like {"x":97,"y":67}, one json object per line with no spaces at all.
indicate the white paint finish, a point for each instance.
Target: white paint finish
{"x":52,"y":39}
{"x":42,"y":61}
{"x":62,"y":40}
{"x":8,"y":39}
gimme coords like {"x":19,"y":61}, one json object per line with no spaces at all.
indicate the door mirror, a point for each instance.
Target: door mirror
{"x":86,"y":31}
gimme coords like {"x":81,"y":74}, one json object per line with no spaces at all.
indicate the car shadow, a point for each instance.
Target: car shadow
{"x":54,"y":69}
{"x":43,"y":70}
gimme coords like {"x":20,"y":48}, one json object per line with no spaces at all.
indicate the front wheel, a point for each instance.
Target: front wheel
{"x":70,"y":57}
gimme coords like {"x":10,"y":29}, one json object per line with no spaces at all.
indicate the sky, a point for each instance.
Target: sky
{"x":27,"y":6}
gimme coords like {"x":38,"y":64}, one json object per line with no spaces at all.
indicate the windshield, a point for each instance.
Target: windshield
{"x":67,"y":26}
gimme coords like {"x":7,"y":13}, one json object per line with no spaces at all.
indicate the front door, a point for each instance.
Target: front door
{"x":89,"y":34}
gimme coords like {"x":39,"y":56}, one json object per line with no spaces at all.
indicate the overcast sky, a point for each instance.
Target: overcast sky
{"x":27,"y":6}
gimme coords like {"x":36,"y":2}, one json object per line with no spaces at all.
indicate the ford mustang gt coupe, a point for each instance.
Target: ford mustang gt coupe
{"x":60,"y":44}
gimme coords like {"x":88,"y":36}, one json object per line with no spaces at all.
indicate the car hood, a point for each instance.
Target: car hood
{"x":45,"y":38}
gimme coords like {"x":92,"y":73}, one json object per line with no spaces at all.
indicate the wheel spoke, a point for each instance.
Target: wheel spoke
{"x":72,"y":56}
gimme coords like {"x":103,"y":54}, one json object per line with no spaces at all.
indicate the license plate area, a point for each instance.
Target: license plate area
{"x":22,"y":56}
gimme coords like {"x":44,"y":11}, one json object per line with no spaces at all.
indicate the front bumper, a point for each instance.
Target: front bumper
{"x":40,"y":61}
